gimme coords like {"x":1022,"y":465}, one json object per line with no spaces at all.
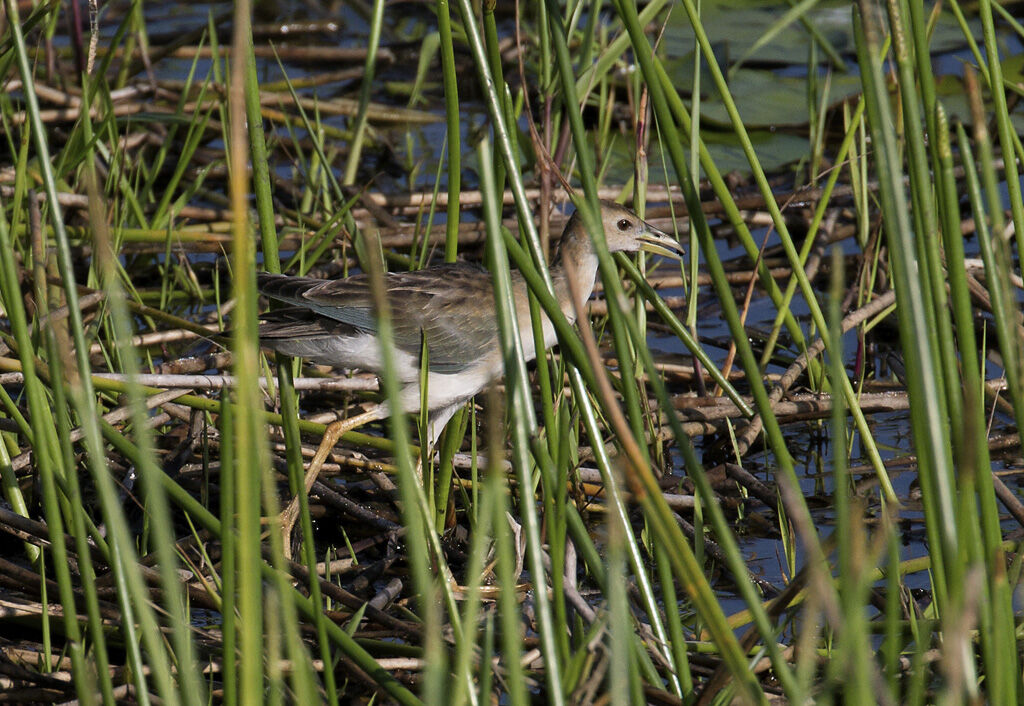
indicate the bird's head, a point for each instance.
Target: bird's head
{"x":624,"y":231}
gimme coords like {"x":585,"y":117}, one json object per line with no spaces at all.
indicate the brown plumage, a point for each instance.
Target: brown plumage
{"x":449,"y":306}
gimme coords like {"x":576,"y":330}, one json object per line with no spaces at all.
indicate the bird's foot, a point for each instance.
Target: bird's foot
{"x":334,"y":432}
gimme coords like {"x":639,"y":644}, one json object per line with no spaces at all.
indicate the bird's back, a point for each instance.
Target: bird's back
{"x":333,"y":322}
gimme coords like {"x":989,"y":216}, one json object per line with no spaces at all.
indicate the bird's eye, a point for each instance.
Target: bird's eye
{"x":624,"y":224}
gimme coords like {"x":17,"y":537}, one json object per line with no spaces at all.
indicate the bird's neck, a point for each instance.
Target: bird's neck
{"x":577,"y":264}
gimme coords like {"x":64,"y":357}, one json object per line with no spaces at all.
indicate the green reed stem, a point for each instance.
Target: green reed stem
{"x":454,"y":138}
{"x":365,"y":90}
{"x":928,"y":418}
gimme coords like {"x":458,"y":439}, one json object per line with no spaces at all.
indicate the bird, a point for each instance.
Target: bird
{"x":449,"y":308}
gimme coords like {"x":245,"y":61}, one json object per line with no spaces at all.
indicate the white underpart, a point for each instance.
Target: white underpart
{"x":445,"y":392}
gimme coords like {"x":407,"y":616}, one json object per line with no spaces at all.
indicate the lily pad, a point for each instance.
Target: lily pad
{"x":774,"y":151}
{"x":741,"y":24}
{"x":767,"y":100}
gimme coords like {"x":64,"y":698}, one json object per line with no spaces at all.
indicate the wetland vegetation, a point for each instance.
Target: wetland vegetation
{"x":785,"y":470}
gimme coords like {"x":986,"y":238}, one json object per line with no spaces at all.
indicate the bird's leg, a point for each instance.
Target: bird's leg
{"x":334,"y":431}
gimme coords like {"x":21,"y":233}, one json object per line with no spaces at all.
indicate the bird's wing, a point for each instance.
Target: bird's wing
{"x":297,"y":322}
{"x":451,"y":306}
